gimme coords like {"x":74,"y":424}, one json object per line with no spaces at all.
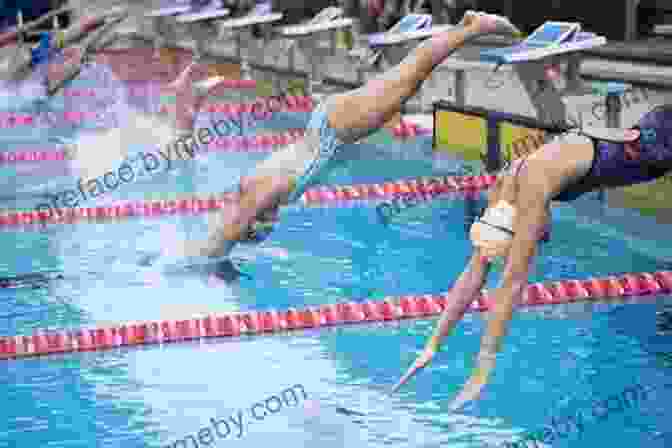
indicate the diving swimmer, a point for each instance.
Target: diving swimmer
{"x":517,"y":218}
{"x":340,"y":120}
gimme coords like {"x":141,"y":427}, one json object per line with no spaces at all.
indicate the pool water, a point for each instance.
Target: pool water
{"x":556,"y":362}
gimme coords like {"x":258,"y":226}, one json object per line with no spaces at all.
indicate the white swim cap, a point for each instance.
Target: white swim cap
{"x":493,"y":233}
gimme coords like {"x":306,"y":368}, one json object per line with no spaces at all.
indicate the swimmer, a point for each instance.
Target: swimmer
{"x":32,"y":280}
{"x":21,"y":67}
{"x":93,"y":154}
{"x":518,"y":216}
{"x":340,"y":120}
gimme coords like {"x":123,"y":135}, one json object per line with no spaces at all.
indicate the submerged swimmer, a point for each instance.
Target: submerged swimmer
{"x":340,"y":120}
{"x":517,"y":217}
{"x":32,"y":280}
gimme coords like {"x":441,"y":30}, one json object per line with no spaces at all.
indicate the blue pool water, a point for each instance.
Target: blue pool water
{"x":556,"y":362}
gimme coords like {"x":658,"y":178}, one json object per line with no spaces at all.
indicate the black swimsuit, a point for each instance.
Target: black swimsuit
{"x":623,"y":164}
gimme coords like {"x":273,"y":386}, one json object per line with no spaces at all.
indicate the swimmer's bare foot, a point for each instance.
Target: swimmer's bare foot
{"x":484,"y":23}
{"x":191,"y":88}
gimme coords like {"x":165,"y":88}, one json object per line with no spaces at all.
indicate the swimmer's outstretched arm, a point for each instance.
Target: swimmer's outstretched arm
{"x":527,"y":226}
{"x":461,"y":295}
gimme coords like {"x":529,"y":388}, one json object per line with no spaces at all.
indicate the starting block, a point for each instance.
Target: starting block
{"x":163,"y":23}
{"x":262,"y":17}
{"x":397,"y":42}
{"x":208,"y":25}
{"x":202,"y":26}
{"x":164,"y":20}
{"x":394,"y":45}
{"x":538,"y":62}
{"x":307,"y":37}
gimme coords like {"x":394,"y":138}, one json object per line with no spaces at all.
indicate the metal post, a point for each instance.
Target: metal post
{"x":333,"y":42}
{"x":574,"y":72}
{"x":631,"y":20}
{"x":291,"y":57}
{"x":508,"y":9}
{"x":244,"y":63}
{"x":613,"y":108}
{"x":460,"y":88}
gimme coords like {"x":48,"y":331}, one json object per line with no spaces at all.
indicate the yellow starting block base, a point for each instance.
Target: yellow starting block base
{"x":462,"y":134}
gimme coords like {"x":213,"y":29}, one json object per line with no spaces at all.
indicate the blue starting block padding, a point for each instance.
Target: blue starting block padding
{"x":41,"y":53}
{"x":610,"y":88}
{"x":550,"y":39}
{"x":533,"y":51}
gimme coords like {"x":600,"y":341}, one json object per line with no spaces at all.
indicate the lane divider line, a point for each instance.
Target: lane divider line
{"x":48,"y":342}
{"x":425,"y":188}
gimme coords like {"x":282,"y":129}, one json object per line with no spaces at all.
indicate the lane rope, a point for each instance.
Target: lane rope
{"x":47,"y":342}
{"x":425,"y":188}
{"x":406,"y":129}
{"x":9,"y":120}
{"x":235,"y":143}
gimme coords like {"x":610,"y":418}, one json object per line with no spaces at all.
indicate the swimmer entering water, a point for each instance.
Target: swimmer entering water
{"x":341,"y":119}
{"x":518,"y":216}
{"x":34,"y":280}
{"x":22,"y":66}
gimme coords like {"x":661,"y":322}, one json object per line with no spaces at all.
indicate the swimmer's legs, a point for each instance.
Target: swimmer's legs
{"x":360,"y":112}
{"x":186,"y":103}
{"x":190,"y":95}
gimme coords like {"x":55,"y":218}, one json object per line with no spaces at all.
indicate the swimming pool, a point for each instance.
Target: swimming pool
{"x":555,"y":361}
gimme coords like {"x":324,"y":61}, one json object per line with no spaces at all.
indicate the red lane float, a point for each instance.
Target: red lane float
{"x":248,"y":143}
{"x":263,"y":109}
{"x":142,"y":91}
{"x":406,"y":129}
{"x":424,"y":188}
{"x":9,"y":120}
{"x":46,"y":342}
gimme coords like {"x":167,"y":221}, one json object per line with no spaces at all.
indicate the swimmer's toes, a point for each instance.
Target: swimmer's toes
{"x":206,"y":86}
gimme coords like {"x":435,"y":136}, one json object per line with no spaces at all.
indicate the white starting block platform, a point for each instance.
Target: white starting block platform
{"x":537,"y":62}
{"x":306,"y":30}
{"x":528,"y":53}
{"x":208,"y":14}
{"x":391,"y":38}
{"x":393,"y":45}
{"x":248,"y":21}
{"x":165,"y":20}
{"x":169,"y":11}
{"x":330,"y":18}
{"x":663,"y":30}
{"x":251,"y":20}
{"x":306,"y":37}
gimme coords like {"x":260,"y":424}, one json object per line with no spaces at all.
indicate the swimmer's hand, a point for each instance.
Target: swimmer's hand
{"x":478,"y":380}
{"x":423,"y":361}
